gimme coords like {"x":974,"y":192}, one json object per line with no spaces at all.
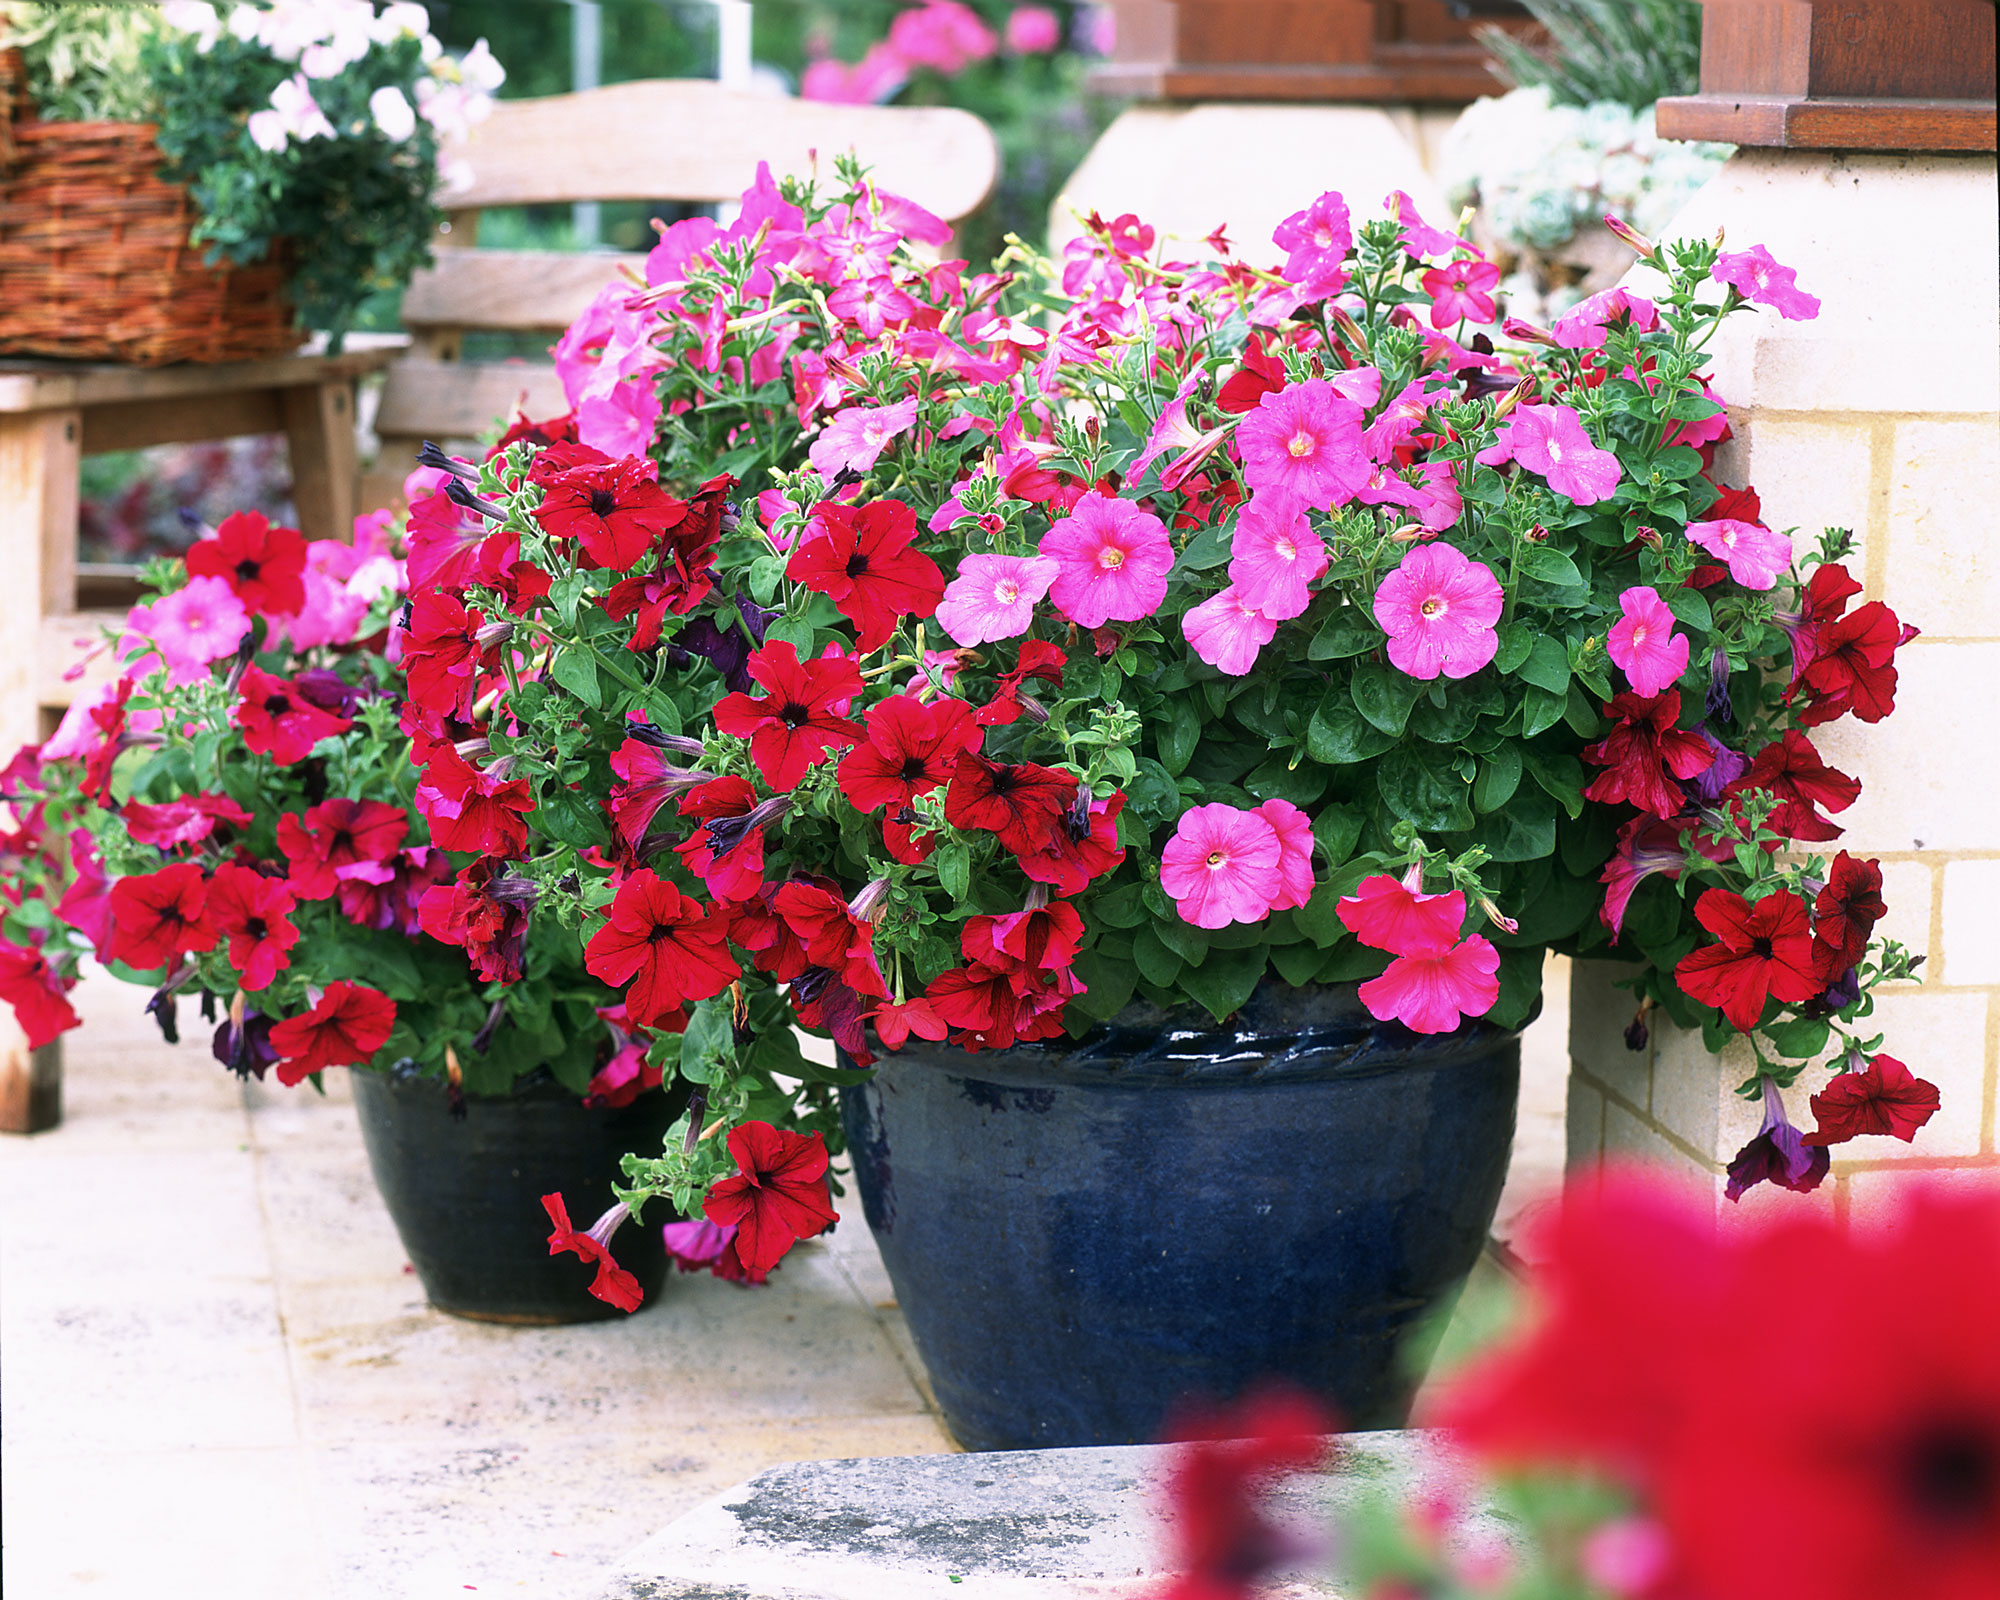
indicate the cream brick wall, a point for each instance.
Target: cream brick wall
{"x":1882,"y":415}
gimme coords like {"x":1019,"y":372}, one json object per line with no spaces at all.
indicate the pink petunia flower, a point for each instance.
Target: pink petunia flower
{"x":1643,"y":644}
{"x":993,"y":597}
{"x":620,"y":420}
{"x":1430,"y":994}
{"x":1400,"y":917}
{"x":1755,"y":555}
{"x":1582,"y":327}
{"x":1295,"y":853}
{"x":1113,"y":561}
{"x":1222,"y":866}
{"x":1033,"y":31}
{"x":1762,"y":281}
{"x":1276,"y":556}
{"x":1550,"y":440}
{"x":870,"y":81}
{"x":1438,"y":609}
{"x":1306,"y":441}
{"x":1461,"y":291}
{"x":945,"y":35}
{"x":855,"y":439}
{"x":1419,"y":237}
{"x":1316,"y":240}
{"x":1227,"y":632}
{"x":197,"y":624}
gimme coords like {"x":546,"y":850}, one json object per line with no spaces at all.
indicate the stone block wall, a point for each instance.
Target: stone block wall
{"x":1882,"y":415}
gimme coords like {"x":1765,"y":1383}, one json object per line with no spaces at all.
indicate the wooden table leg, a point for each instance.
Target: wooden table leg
{"x":40,"y":455}
{"x":319,"y":430}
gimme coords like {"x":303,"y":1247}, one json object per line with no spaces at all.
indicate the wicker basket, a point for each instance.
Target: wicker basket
{"x":95,"y":263}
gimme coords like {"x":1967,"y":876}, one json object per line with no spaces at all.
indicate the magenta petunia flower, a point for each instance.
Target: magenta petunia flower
{"x":1276,"y":556}
{"x":1763,"y":281}
{"x":1430,"y":994}
{"x":1755,"y":555}
{"x":1461,"y":291}
{"x":855,"y":439}
{"x":1295,"y":853}
{"x":1316,"y":240}
{"x":993,"y":597}
{"x":1399,"y":917}
{"x":1550,"y":440}
{"x":1228,"y":632}
{"x":1439,"y":609}
{"x":1222,"y":866}
{"x":1583,"y":326}
{"x":1643,"y":644}
{"x":197,"y":624}
{"x":1112,"y":558}
{"x":1305,"y":440}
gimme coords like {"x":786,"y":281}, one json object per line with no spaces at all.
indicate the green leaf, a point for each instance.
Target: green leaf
{"x":1419,"y":787}
{"x":1223,"y":982}
{"x":1206,"y":550}
{"x":1542,"y":711}
{"x":1520,"y":987}
{"x":1156,"y":963}
{"x":1678,"y":461}
{"x":1802,"y":1038}
{"x":1183,"y":938}
{"x":1120,"y":908}
{"x":795,"y":631}
{"x":1522,"y":830}
{"x":1547,"y":666}
{"x":1298,"y":963}
{"x":953,"y":864}
{"x":708,"y":1045}
{"x":1499,"y":777}
{"x":1338,"y":734}
{"x":1319,"y":918}
{"x":1516,"y":640}
{"x":1293,"y":779}
{"x":576,"y":671}
{"x":1547,"y":565}
{"x":1690,"y":606}
{"x":1348,"y":632}
{"x":1561,"y":777}
{"x":1178,"y":740}
{"x":1338,"y":830}
{"x":1108,"y":984}
{"x":1384,"y":696}
{"x":566,"y":593}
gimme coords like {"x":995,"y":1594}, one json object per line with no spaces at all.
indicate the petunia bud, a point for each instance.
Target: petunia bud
{"x":1512,"y":398}
{"x":459,"y":495}
{"x":434,"y":458}
{"x":1527,"y":332}
{"x":1638,"y":241}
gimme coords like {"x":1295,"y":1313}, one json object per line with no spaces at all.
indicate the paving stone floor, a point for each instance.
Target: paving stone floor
{"x":219,"y":1378}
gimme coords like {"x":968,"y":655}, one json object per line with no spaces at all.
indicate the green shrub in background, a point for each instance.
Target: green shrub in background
{"x":1629,"y":51}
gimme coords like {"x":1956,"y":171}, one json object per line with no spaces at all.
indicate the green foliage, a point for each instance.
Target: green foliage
{"x":83,"y":59}
{"x":1633,"y":52}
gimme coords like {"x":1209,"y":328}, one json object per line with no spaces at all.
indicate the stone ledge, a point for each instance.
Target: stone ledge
{"x":1083,"y":1524}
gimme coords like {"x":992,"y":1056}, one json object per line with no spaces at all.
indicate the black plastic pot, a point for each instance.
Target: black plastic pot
{"x":1085,"y":1235}
{"x":466,"y":1194}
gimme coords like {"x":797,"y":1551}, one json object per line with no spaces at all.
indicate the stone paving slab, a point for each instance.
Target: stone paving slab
{"x":1068,"y":1524}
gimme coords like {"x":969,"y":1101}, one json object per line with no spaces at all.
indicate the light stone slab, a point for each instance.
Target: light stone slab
{"x":1059,"y":1523}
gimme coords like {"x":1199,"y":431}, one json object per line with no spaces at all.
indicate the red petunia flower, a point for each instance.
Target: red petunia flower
{"x":910,"y":750}
{"x":413,"y":871}
{"x":86,"y":904}
{"x":684,"y":576}
{"x":647,"y":781}
{"x":624,"y":1077}
{"x":1790,"y":771}
{"x":661,"y":947}
{"x":613,"y":1284}
{"x":828,"y":935}
{"x":726,"y":849}
{"x":1642,"y":750}
{"x":1080,"y":850}
{"x":31,"y":986}
{"x":1024,"y":805}
{"x":109,"y":719}
{"x":338,"y":840}
{"x":485,"y":914}
{"x":894,"y":1024}
{"x":187,"y":820}
{"x":778,"y":1193}
{"x":799,"y":717}
{"x":1224,"y":1466}
{"x":1884,"y":1097}
{"x":860,"y":558}
{"x":987,"y":1012}
{"x":347,"y":1025}
{"x":473,"y":808}
{"x":1851,"y":665}
{"x":1765,"y":952}
{"x":253,"y":913}
{"x":697,"y":1243}
{"x":614,"y":509}
{"x":1844,"y":915}
{"x":1038,"y":659}
{"x":158,"y":917}
{"x":278,"y":721}
{"x":441,"y":652}
{"x":265,"y":565}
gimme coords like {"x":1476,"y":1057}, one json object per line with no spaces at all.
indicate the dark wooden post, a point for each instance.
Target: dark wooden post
{"x":1842,"y":75}
{"x":1382,"y":51}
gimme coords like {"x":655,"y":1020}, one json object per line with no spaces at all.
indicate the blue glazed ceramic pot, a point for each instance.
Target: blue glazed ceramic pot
{"x":1086,"y":1234}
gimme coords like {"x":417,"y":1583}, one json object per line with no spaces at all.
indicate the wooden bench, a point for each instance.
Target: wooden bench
{"x":667,"y":139}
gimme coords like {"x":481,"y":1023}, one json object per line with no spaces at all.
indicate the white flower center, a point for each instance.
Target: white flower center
{"x":1006,"y":591}
{"x":1639,"y":635}
{"x":1301,"y":445}
{"x":1285,"y":550}
{"x":1435,"y":606}
{"x":1555,"y":450}
{"x":1110,"y":558}
{"x":1217,"y":860}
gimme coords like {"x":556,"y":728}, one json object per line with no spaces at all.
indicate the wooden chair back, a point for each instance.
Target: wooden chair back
{"x":668,"y":139}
